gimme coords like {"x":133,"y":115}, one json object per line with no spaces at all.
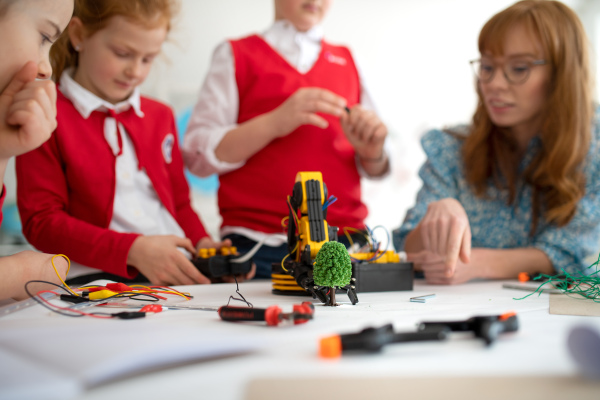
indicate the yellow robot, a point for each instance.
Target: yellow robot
{"x":307,"y":233}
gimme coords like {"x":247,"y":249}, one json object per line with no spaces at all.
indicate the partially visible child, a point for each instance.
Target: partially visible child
{"x":108,"y":188}
{"x":27,"y":112}
{"x":273,"y":105}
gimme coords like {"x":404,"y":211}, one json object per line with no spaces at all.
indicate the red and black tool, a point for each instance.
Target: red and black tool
{"x":272,"y":315}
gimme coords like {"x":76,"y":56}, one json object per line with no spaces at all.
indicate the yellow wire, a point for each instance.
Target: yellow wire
{"x":283,"y":221}
{"x":68,"y":268}
{"x":288,"y":254}
{"x":367,"y":237}
{"x":146,"y":289}
{"x":349,"y":237}
{"x":164,"y":291}
{"x":140,"y":286}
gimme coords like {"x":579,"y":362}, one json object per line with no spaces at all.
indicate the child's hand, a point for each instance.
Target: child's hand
{"x":158,"y":258}
{"x":208,"y":243}
{"x":365,"y":132}
{"x":27,"y":112}
{"x":302,"y":107}
{"x":26,"y":266}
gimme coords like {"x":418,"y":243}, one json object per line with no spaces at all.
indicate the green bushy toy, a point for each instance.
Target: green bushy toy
{"x":332,"y":268}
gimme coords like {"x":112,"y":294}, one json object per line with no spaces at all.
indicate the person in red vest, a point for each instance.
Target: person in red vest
{"x":27,"y":115}
{"x":108,"y":189}
{"x":274,"y":104}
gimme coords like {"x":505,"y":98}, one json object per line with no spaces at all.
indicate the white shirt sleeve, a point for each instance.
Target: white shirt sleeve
{"x":216,"y":112}
{"x":214,"y":115}
{"x":366,"y":101}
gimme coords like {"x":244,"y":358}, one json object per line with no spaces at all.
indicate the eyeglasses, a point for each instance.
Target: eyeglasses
{"x":515,"y":72}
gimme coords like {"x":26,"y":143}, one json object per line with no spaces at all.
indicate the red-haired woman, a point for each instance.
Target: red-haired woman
{"x":517,"y":190}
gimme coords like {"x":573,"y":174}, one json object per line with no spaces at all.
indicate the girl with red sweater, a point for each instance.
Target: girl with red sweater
{"x":108,"y":188}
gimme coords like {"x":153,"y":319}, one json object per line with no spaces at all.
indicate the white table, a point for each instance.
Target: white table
{"x":287,"y":360}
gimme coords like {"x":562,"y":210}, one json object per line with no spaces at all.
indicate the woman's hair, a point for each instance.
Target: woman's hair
{"x":95,"y":14}
{"x":556,"y":171}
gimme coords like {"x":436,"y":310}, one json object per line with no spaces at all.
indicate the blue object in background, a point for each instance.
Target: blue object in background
{"x":11,"y":225}
{"x":208,"y":185}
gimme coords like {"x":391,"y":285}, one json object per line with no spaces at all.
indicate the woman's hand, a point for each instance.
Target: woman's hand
{"x":436,"y":272}
{"x":445,"y":232}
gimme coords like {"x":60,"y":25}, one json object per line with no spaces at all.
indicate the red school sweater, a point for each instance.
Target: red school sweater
{"x":254,"y":196}
{"x":2,"y":196}
{"x":66,"y":187}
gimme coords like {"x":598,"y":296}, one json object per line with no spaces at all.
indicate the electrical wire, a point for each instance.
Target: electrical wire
{"x":285,"y":223}
{"x":57,"y":309}
{"x":293,"y":213}
{"x":332,"y":199}
{"x":375,"y":246}
{"x":348,"y":229}
{"x":287,"y":255}
{"x":68,"y":269}
{"x":139,"y":293}
{"x":70,"y":312}
{"x":578,"y":284}
{"x":167,"y":290}
{"x":237,"y":290}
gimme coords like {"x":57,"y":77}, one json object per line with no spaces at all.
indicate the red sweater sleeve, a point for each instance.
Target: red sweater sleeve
{"x":185,"y":215}
{"x":2,"y":196}
{"x":43,"y":200}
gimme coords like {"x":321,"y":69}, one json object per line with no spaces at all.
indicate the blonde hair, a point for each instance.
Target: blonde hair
{"x":555,"y":174}
{"x":95,"y":14}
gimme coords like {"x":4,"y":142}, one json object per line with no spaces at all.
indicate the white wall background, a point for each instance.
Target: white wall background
{"x":414,"y":55}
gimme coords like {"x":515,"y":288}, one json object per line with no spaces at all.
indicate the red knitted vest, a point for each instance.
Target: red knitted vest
{"x":254,"y":196}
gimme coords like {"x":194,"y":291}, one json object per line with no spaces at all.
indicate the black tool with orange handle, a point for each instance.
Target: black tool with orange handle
{"x":485,"y":327}
{"x":373,"y":339}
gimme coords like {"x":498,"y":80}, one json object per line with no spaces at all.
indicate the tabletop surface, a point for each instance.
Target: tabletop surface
{"x":87,"y":358}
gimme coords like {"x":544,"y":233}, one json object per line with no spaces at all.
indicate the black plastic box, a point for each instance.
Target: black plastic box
{"x":379,"y":277}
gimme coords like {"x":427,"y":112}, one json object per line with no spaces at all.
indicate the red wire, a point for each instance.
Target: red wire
{"x":152,"y":293}
{"x":294,"y":213}
{"x":169,"y":289}
{"x":65,"y":308}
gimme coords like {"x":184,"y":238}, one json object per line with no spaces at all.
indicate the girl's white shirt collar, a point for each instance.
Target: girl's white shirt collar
{"x":86,"y":102}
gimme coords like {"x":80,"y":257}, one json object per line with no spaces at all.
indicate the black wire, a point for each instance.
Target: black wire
{"x":49,"y":283}
{"x":237,"y":290}
{"x":61,"y":312}
{"x":131,"y":295}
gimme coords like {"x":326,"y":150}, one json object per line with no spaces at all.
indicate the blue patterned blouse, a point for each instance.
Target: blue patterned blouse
{"x":494,"y":223}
